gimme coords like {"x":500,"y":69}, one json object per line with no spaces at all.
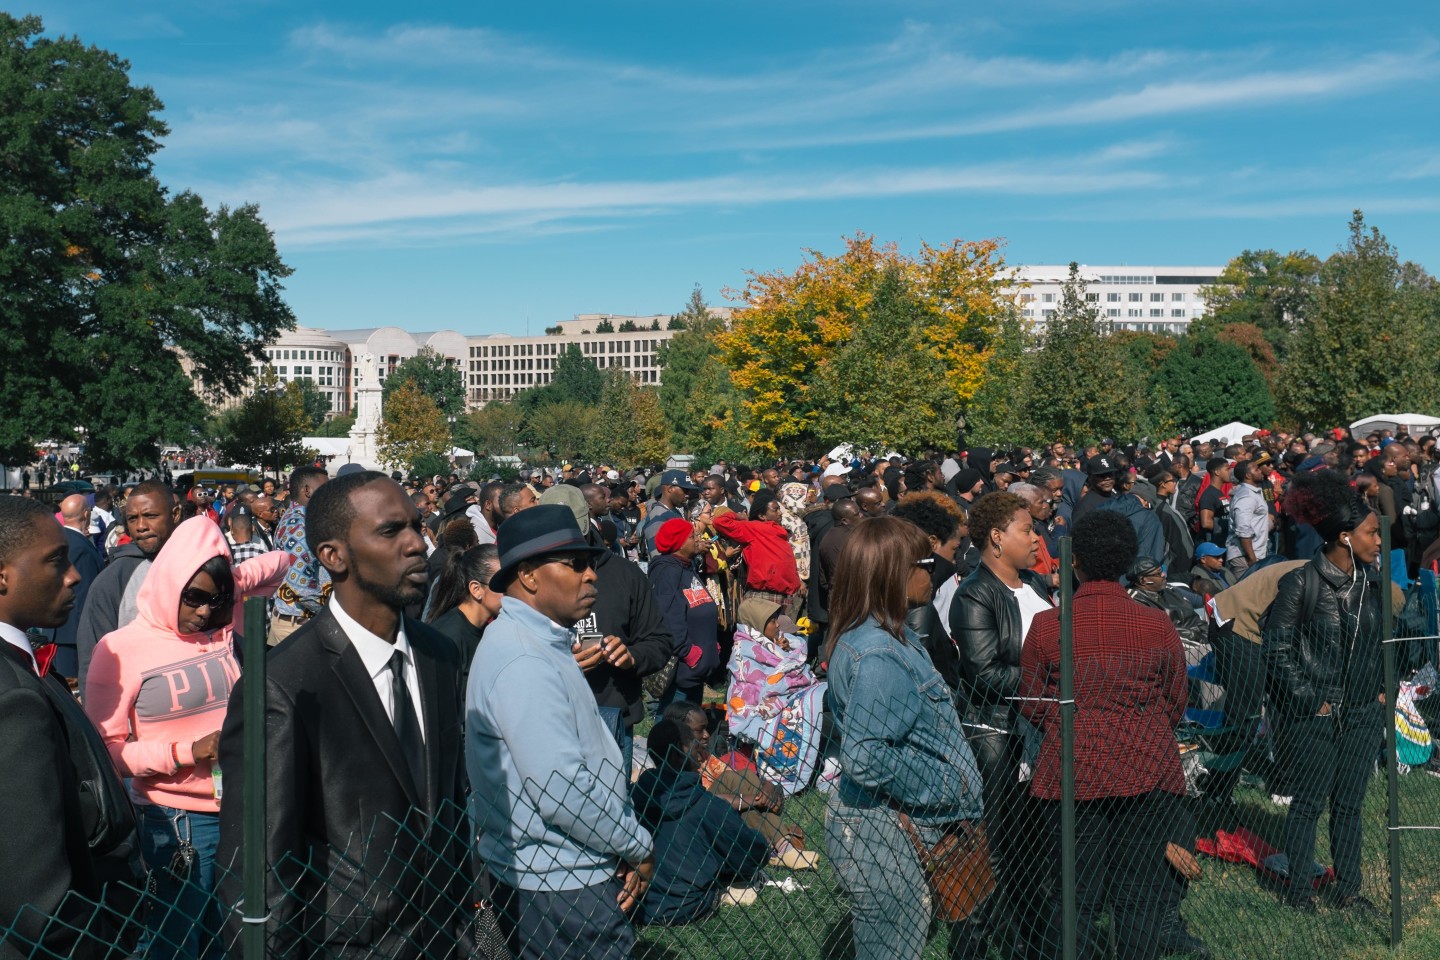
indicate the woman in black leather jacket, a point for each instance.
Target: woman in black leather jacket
{"x":992,"y":609}
{"x":1322,"y":642}
{"x":941,"y":528}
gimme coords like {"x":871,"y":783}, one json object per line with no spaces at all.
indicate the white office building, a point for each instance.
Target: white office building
{"x":1150,"y":299}
{"x":494,"y":366}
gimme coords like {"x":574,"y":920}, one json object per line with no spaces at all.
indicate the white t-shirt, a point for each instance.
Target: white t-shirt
{"x":1031,"y":603}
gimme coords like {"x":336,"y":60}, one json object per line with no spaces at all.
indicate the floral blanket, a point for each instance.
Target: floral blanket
{"x":775,"y":703}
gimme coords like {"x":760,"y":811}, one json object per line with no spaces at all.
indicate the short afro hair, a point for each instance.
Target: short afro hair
{"x":20,"y":519}
{"x":1104,"y":544}
{"x":994,"y":511}
{"x":330,"y":513}
{"x":932,"y":519}
{"x":1326,"y":501}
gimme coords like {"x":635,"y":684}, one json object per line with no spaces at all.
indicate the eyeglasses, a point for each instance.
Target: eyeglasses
{"x":195,"y":599}
{"x":927,"y":564}
{"x":579,"y":562}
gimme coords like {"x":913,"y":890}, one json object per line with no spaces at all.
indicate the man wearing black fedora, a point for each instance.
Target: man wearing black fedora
{"x":550,"y":792}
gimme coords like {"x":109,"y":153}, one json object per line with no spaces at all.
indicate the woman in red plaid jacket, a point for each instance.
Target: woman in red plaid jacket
{"x":1130,"y":691}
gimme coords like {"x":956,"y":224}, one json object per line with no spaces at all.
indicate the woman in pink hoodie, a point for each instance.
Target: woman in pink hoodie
{"x":157,"y":690}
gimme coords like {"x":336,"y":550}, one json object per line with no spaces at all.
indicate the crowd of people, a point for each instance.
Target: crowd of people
{"x":461,"y":676}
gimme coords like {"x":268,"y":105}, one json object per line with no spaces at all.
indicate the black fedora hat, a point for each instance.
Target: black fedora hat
{"x":537,"y":532}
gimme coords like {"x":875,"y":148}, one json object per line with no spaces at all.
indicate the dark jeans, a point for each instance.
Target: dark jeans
{"x":1240,"y":669}
{"x":1328,"y":762}
{"x":584,"y":924}
{"x":1119,"y":853}
{"x":624,"y":734}
{"x":182,"y":918}
{"x":1017,"y":842}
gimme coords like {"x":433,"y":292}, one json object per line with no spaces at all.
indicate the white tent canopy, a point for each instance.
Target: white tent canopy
{"x":1229,"y":433}
{"x":1411,"y":423}
{"x":328,"y":446}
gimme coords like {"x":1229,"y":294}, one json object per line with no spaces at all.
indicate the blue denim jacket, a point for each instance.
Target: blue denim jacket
{"x":900,"y":733}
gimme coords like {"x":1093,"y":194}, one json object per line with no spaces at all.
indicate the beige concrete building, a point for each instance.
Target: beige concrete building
{"x":495,"y":366}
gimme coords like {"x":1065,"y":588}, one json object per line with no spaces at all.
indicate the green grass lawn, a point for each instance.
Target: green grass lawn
{"x":1227,"y":907}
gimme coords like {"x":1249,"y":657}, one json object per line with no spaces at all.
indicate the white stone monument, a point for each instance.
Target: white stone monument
{"x":368,"y":395}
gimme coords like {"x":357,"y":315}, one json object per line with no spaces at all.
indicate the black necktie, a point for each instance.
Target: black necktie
{"x":407,"y":724}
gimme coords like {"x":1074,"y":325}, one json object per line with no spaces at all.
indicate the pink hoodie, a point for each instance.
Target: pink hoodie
{"x":150,"y":686}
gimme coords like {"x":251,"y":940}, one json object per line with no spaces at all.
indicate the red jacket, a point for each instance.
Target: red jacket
{"x":1130,"y":690}
{"x":769,"y":561}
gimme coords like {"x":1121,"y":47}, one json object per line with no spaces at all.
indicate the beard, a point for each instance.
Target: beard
{"x":396,"y":596}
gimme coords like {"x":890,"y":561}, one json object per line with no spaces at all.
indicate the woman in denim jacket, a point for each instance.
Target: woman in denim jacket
{"x":902,"y":748}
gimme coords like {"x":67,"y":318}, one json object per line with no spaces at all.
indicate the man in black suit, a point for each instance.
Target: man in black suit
{"x":44,"y":848}
{"x":365,"y":833}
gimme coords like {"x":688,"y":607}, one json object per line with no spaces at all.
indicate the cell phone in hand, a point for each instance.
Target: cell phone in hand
{"x":590,"y":640}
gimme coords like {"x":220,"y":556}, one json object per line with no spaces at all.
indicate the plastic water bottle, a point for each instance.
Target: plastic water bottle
{"x":217,"y":782}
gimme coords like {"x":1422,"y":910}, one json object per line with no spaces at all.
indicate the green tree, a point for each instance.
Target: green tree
{"x":696,"y":395}
{"x":605,"y":326}
{"x":627,"y":427}
{"x":564,"y":428}
{"x":652,"y":439}
{"x":431,"y":465}
{"x":493,"y":429}
{"x":434,"y":376}
{"x":576,"y":377}
{"x":863,"y":395}
{"x":1264,"y":288}
{"x":337,"y":426}
{"x":1081,"y":383}
{"x":110,"y":281}
{"x":265,"y":428}
{"x":629,"y":326}
{"x":995,"y":415}
{"x":1210,"y":382}
{"x":411,"y":425}
{"x":1370,"y":340}
{"x":315,"y":404}
{"x":786,"y":345}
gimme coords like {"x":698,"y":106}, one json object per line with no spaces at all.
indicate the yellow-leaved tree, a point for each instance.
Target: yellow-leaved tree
{"x":411,"y":426}
{"x":871,"y":346}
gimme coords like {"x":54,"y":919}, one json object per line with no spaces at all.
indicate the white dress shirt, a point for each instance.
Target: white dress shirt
{"x":375,"y":653}
{"x":17,"y":638}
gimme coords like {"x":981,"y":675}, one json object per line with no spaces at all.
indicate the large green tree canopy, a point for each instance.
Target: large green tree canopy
{"x":433,"y":376}
{"x":107,"y":281}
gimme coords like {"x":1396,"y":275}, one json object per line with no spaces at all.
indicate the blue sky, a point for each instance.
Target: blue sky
{"x":486,"y":166}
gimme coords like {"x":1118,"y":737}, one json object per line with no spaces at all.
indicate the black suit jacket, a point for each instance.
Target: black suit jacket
{"x":361,"y":863}
{"x":45,"y":847}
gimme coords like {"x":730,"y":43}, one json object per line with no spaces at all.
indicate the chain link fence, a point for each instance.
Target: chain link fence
{"x":1141,"y":799}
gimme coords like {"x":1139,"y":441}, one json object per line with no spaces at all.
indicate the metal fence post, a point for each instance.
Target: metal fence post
{"x":253,"y":857}
{"x":1067,"y":755}
{"x":1392,"y":758}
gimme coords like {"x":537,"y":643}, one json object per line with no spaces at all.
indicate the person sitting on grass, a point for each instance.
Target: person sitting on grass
{"x":758,"y":801}
{"x":701,"y":844}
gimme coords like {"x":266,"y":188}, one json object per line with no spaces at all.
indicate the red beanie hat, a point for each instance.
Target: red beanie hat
{"x":672,"y":533}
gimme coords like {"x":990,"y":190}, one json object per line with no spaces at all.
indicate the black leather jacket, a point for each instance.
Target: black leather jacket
{"x":924,"y":619}
{"x":1331,"y":652}
{"x":985,"y":622}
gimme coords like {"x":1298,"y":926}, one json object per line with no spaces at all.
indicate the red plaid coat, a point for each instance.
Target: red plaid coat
{"x":1130,"y":691}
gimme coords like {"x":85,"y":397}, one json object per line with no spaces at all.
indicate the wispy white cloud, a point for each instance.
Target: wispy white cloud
{"x":1350,"y":78}
{"x":308,"y":212}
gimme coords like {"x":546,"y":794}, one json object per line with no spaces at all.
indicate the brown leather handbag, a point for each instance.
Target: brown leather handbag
{"x":957,"y":867}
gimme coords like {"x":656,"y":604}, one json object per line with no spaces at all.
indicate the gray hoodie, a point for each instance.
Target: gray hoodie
{"x":110,"y":601}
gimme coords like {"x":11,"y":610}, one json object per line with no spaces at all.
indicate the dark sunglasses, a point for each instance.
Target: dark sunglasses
{"x":927,"y":564}
{"x":195,"y":599}
{"x":579,"y":562}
